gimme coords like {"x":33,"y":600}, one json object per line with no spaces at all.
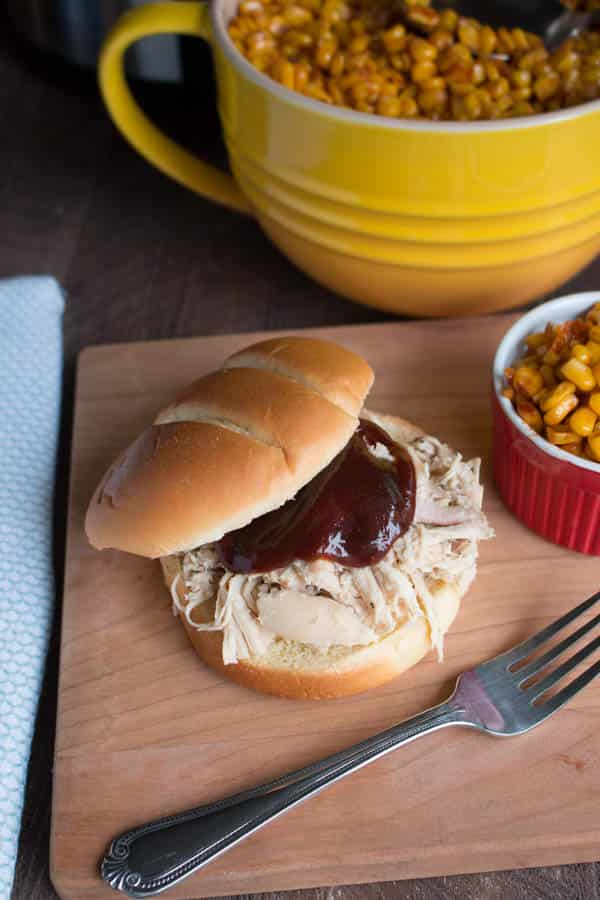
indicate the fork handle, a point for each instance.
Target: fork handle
{"x":151,"y":858}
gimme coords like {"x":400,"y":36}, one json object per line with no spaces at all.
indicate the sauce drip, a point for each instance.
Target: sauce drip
{"x":351,"y":512}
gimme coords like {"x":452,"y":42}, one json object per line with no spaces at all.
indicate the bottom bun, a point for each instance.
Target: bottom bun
{"x":303,"y":672}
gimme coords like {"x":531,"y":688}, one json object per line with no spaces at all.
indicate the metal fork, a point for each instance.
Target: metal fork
{"x":497,"y":697}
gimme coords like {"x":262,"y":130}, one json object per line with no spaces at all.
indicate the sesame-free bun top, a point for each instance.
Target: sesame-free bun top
{"x":236,"y":444}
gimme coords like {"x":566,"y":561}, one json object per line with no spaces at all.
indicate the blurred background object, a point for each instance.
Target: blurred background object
{"x":75,"y":29}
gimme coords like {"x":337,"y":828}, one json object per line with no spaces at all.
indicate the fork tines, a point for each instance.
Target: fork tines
{"x":536,"y":690}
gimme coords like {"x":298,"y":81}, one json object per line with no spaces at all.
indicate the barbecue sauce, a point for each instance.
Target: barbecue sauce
{"x":351,"y":512}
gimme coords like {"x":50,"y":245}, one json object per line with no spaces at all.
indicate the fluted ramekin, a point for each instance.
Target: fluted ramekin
{"x":551,"y":491}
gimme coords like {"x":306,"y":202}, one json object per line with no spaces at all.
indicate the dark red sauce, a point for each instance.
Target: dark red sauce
{"x":351,"y":513}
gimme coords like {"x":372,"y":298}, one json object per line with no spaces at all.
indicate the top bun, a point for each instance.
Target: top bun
{"x":236,"y":444}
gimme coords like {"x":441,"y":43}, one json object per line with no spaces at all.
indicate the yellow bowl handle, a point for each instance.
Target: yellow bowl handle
{"x":190,"y":18}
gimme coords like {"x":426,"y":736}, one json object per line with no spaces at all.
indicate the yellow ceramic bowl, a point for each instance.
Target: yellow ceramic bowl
{"x":421,"y":218}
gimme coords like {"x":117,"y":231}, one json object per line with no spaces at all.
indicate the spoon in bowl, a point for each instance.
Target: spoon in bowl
{"x":549,"y":19}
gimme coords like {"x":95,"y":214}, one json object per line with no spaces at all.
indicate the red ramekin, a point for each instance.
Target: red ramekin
{"x":553,"y":492}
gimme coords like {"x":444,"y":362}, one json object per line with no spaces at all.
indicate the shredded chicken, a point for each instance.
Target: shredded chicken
{"x":343,"y":605}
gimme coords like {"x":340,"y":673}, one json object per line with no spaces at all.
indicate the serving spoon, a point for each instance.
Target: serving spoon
{"x":549,"y":19}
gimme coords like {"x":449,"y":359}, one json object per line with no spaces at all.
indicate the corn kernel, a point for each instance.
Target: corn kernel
{"x":594,"y":402}
{"x":565,"y":59}
{"x":423,"y":16}
{"x":500,"y":88}
{"x":559,"y":413}
{"x":433,"y":99}
{"x":575,"y":449}
{"x":546,"y":86}
{"x":594,"y":351}
{"x":596,"y":373}
{"x":509,"y":393}
{"x":595,"y":334}
{"x":301,"y":77}
{"x":388,"y":106}
{"x":532,"y":58}
{"x":251,"y":8}
{"x":529,"y":360}
{"x":441,"y":38}
{"x":593,"y":316}
{"x":473,"y":106}
{"x":541,"y":397}
{"x":408,"y":106}
{"x":505,"y":40}
{"x":285,"y":74}
{"x":551,"y":358}
{"x":536,"y":340}
{"x":487,"y":41}
{"x":336,"y":66}
{"x":529,"y":413}
{"x":561,"y":392}
{"x":449,"y":19}
{"x":423,"y":71}
{"x":559,"y":436}
{"x":593,"y":443}
{"x":582,"y":353}
{"x":326,"y":49}
{"x":478,"y":73}
{"x":421,"y":49}
{"x":528,"y":380}
{"x":259,"y":42}
{"x":468,"y":34}
{"x":547,"y":373}
{"x":583,"y":421}
{"x":520,"y":78}
{"x":395,"y":38}
{"x":296,"y":16}
{"x":580,"y":374}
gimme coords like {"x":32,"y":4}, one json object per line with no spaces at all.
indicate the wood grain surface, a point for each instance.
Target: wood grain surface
{"x":140,"y":258}
{"x":145,"y":730}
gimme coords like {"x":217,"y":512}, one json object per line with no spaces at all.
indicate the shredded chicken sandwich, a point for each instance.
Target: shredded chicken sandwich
{"x":312,"y":548}
{"x":326,"y":604}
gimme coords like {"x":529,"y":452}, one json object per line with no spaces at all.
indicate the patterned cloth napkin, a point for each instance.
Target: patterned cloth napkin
{"x":30,"y":383}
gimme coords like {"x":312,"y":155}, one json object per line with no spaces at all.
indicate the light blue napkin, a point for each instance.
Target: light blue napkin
{"x":30,"y":382}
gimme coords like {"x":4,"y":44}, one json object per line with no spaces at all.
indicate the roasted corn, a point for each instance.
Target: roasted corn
{"x":367,"y":54}
{"x":555,"y":386}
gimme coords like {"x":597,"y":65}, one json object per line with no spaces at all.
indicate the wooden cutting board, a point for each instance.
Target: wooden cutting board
{"x":145,"y":730}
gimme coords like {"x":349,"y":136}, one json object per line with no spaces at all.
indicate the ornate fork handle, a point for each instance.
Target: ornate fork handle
{"x":151,"y":858}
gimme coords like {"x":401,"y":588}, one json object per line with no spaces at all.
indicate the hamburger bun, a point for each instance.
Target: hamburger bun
{"x":236,"y":444}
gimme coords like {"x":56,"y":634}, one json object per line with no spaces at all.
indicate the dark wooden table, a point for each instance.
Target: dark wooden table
{"x":140,"y":258}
